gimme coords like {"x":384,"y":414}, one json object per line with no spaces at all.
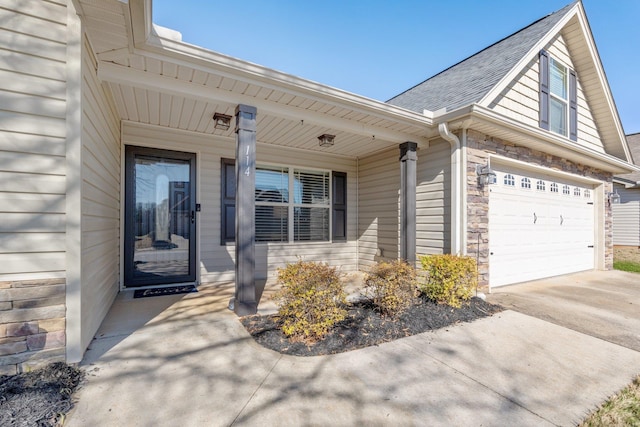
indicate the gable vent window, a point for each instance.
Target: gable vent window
{"x":558,"y":97}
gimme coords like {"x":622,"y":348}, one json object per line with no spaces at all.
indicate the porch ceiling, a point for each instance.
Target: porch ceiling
{"x":161,"y":93}
{"x":159,"y":80}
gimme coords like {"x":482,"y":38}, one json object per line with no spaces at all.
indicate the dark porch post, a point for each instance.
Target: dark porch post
{"x":245,"y":297}
{"x":408,"y":181}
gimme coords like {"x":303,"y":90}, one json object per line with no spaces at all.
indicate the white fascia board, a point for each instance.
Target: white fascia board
{"x":627,"y":183}
{"x":602,"y":77}
{"x":513,"y":73}
{"x":208,"y":61}
{"x":141,"y":79}
{"x":149,"y":42}
{"x":483,"y":114}
{"x":607,"y":161}
{"x":577,"y":11}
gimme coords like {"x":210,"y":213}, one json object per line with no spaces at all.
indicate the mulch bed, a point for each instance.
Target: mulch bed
{"x":40,"y":397}
{"x":365,"y":326}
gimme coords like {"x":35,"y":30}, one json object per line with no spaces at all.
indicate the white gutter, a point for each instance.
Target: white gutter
{"x":564,"y":146}
{"x":456,"y":196}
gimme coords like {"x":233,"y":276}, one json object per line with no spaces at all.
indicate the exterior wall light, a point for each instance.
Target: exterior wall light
{"x":326,"y":140}
{"x":486,"y":175}
{"x":613,"y":198}
{"x":221,"y":121}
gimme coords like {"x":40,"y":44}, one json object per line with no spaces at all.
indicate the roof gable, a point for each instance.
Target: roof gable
{"x":634,"y":147}
{"x":470,"y":80}
{"x":481,"y":78}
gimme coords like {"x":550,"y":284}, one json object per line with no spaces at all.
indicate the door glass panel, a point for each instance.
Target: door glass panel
{"x":162,"y":218}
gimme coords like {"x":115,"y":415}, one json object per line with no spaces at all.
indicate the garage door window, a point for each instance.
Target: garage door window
{"x":525,"y":183}
{"x":553,"y":187}
{"x":509,"y":180}
{"x":540,"y":185}
{"x":587,"y":194}
{"x":566,"y":190}
{"x":576,"y":191}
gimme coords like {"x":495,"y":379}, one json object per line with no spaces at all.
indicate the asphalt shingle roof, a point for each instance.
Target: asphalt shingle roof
{"x":470,"y":80}
{"x":634,"y":146}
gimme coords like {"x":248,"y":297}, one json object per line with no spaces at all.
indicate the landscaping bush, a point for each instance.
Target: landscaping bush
{"x":391,"y":286}
{"x":311,"y":300}
{"x":449,"y":279}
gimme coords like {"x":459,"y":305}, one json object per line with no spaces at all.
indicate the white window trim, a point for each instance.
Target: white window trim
{"x":291,"y":205}
{"x":565,"y":101}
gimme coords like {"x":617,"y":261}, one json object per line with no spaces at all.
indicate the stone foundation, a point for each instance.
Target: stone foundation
{"x":32,"y":324}
{"x":479,"y":148}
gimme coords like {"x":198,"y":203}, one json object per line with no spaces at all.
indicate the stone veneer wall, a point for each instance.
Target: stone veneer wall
{"x":479,"y":148}
{"x":32,"y":324}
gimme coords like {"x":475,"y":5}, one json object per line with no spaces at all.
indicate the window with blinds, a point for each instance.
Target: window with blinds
{"x":311,"y":206}
{"x":290,"y":204}
{"x":272,"y":200}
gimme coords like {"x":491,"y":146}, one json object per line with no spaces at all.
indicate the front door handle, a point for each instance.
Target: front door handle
{"x":193,"y":217}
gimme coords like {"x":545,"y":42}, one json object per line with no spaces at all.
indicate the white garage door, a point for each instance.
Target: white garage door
{"x":539,"y":226}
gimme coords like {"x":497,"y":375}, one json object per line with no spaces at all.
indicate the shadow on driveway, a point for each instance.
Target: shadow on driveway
{"x":603,"y":304}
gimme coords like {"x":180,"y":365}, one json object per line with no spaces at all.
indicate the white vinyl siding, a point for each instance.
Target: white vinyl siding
{"x":626,"y":217}
{"x":217,"y":260}
{"x":433,"y":195}
{"x":520,"y":100}
{"x":378,"y":207}
{"x":32,"y":139}
{"x":100,"y":189}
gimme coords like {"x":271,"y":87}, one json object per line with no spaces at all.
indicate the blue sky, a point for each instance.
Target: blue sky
{"x":380,"y":48}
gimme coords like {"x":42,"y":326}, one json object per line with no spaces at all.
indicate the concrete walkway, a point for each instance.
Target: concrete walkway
{"x":186,"y":360}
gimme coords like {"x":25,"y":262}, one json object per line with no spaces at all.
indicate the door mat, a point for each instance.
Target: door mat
{"x":170,"y":290}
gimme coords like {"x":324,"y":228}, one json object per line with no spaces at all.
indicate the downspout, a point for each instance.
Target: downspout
{"x":357,"y":213}
{"x":456,"y":197}
{"x":463,"y":193}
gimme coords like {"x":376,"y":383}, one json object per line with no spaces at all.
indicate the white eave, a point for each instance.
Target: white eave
{"x":497,"y":125}
{"x":160,"y":80}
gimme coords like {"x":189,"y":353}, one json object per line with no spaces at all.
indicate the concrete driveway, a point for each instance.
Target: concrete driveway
{"x":186,"y":360}
{"x":603,"y":304}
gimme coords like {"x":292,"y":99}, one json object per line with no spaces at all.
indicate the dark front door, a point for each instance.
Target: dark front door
{"x":160,"y":218}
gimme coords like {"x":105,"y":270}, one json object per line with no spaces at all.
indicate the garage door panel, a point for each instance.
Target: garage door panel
{"x":537,"y":232}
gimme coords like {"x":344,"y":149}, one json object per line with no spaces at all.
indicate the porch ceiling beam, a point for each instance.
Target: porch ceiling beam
{"x":140,"y":79}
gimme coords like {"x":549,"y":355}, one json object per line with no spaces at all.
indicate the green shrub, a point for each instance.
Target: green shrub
{"x":449,"y":279}
{"x":391,"y":286}
{"x":311,"y":300}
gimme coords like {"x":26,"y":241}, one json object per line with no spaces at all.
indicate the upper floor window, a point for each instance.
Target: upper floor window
{"x":558,"y":97}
